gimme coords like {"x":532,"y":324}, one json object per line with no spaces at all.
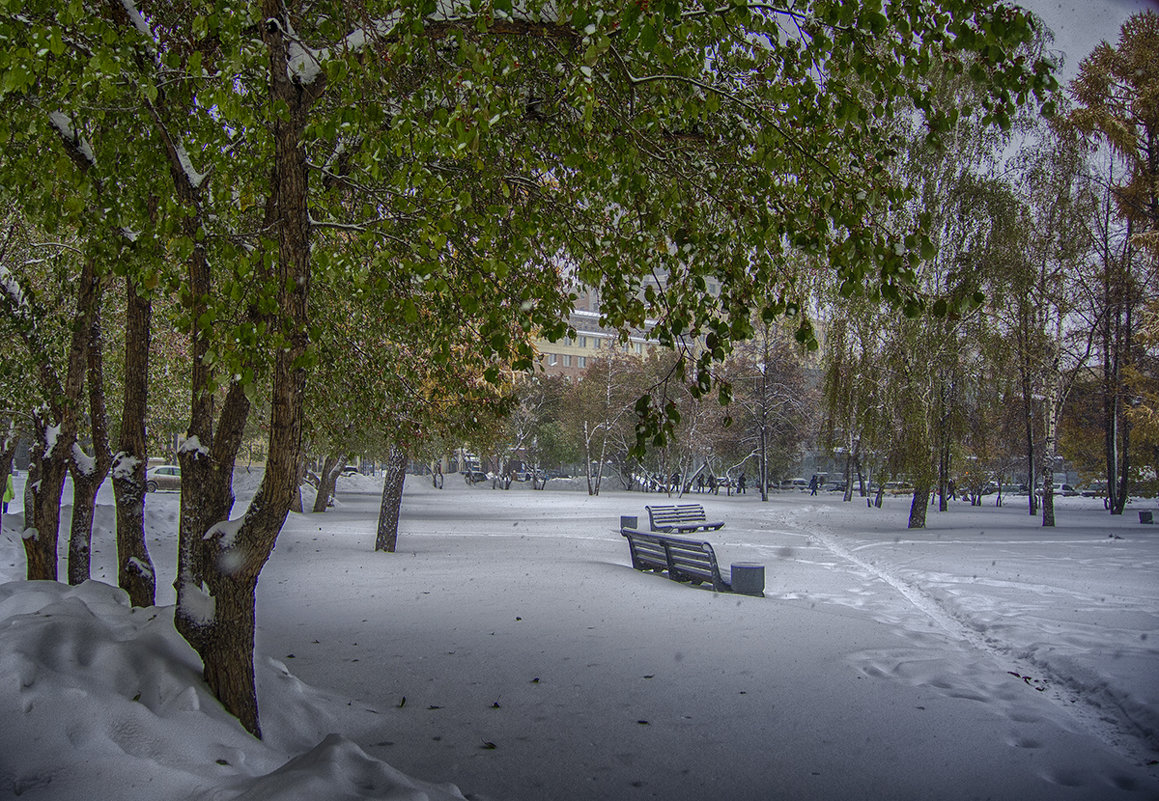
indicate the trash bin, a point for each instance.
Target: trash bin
{"x":748,"y":578}
{"x":1145,"y":516}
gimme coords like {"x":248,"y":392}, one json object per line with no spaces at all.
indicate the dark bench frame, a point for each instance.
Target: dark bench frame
{"x":684,"y":517}
{"x":691,"y":561}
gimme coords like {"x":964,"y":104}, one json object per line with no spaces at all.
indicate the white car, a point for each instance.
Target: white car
{"x":163,"y":477}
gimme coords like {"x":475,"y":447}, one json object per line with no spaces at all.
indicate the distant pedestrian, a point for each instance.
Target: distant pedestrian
{"x":813,"y":485}
{"x":9,"y":492}
{"x":700,"y":483}
{"x":740,"y":484}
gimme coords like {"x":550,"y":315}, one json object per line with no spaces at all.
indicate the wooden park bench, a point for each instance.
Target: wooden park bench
{"x":686,"y":560}
{"x":681,"y":518}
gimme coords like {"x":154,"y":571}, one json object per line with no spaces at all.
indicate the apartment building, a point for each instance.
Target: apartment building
{"x":571,"y":357}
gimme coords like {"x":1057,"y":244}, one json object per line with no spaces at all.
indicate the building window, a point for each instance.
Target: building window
{"x":639,"y":348}
{"x":552,"y":360}
{"x":596,"y":344}
{"x":581,"y":361}
{"x":567,"y":360}
{"x":583,"y":342}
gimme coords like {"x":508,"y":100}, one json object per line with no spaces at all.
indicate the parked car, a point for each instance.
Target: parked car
{"x":163,"y":477}
{"x":898,"y":488}
{"x":350,"y":470}
{"x":834,"y":486}
{"x":474,"y":475}
{"x":795,"y":484}
{"x":1096,"y":489}
{"x":1066,"y":490}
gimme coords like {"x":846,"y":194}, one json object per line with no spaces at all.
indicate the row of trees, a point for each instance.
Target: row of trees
{"x":394,"y":198}
{"x":1054,"y":251}
{"x":593,"y":421}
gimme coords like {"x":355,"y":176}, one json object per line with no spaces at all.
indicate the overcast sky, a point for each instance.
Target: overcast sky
{"x":1079,"y":25}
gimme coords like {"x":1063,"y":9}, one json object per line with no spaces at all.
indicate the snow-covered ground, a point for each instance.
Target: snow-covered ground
{"x":510,"y":650}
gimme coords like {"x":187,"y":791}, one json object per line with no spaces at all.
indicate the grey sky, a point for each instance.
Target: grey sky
{"x":1079,"y":25}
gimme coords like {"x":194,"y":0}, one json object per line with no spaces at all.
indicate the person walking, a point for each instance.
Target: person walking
{"x":813,"y":485}
{"x":9,"y":492}
{"x":740,"y":484}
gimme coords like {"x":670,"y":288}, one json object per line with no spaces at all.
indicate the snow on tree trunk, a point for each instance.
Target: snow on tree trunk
{"x":392,"y":483}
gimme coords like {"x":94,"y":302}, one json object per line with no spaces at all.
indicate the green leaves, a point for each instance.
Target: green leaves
{"x":690,"y":160}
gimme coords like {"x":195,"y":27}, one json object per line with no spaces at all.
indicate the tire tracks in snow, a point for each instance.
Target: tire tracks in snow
{"x":1096,"y":708}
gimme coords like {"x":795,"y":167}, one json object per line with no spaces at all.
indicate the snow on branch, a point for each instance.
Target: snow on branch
{"x":195,"y":178}
{"x":85,"y":464}
{"x":11,"y":291}
{"x":124,"y":465}
{"x":304,"y":64}
{"x":138,"y":20}
{"x":79,"y":149}
{"x":193,"y":445}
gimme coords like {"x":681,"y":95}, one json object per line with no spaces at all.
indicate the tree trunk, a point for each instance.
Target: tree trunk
{"x":300,"y":476}
{"x":1124,"y":423}
{"x":228,"y":654}
{"x":1031,"y":477}
{"x":917,"y":509}
{"x":944,"y":473}
{"x":207,"y":499}
{"x":53,"y":443}
{"x":588,"y":459}
{"x":46,"y":481}
{"x":393,"y":478}
{"x":135,"y":572}
{"x":216,"y":604}
{"x":328,"y":480}
{"x":764,"y":466}
{"x":1048,"y":458}
{"x":84,"y":496}
{"x":847,"y":496}
{"x":89,"y":474}
{"x":1047,"y":501}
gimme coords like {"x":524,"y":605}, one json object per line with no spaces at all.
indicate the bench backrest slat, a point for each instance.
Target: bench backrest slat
{"x":661,"y":516}
{"x":683,"y":559}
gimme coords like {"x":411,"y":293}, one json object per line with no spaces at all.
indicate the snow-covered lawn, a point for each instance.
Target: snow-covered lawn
{"x":509,"y":649}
